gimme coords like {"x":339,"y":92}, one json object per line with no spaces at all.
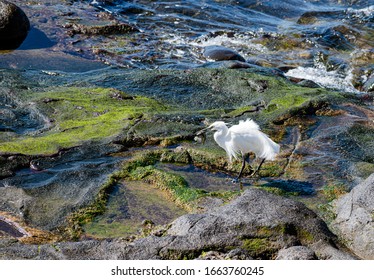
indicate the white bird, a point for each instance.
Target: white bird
{"x":243,"y":138}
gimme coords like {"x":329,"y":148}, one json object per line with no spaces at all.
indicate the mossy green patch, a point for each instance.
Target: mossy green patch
{"x":86,"y":214}
{"x":75,"y":115}
{"x":176,"y":185}
{"x":111,"y":230}
{"x":278,"y":191}
{"x":261,"y":248}
{"x":305,"y":236}
{"x":331,"y":192}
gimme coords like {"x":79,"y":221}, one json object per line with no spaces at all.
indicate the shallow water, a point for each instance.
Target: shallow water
{"x":201,"y":179}
{"x":128,"y":206}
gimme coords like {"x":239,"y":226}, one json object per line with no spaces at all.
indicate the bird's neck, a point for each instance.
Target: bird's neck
{"x":220,"y":137}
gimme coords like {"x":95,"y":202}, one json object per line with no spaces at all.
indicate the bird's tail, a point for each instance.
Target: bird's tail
{"x":270,"y":148}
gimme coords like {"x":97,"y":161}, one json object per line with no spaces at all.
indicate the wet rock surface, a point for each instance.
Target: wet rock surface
{"x":219,"y":53}
{"x":45,"y":197}
{"x":14,"y":25}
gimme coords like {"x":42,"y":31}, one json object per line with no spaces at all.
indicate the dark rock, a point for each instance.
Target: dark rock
{"x":102,"y":29}
{"x":335,"y":39}
{"x":354,"y":218}
{"x":219,"y":53}
{"x":8,"y":165}
{"x":309,"y":84}
{"x":296,"y":253}
{"x":228,"y":64}
{"x":357,"y":141}
{"x":312,"y":17}
{"x":14,"y":25}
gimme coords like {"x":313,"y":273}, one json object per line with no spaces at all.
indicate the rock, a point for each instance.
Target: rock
{"x":211,"y":255}
{"x":311,"y":17}
{"x":14,"y":25}
{"x":253,"y":222}
{"x":255,"y":225}
{"x":112,"y":27}
{"x":219,"y":53}
{"x":296,"y":253}
{"x":238,"y":254}
{"x":355,"y":218}
{"x":330,"y":252}
{"x":369,"y":84}
{"x":44,"y":198}
{"x":309,"y":84}
{"x":335,"y":38}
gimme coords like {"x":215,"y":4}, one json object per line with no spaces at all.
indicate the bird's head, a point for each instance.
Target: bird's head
{"x":218,"y":126}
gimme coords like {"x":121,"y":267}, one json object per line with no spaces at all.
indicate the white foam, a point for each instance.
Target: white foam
{"x":239,"y":42}
{"x":324,"y":78}
{"x":235,"y":42}
{"x":368,"y":11}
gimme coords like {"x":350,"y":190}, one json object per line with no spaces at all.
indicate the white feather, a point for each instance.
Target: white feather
{"x":244,"y":138}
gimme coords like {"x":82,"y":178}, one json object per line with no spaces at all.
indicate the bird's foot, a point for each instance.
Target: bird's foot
{"x":254,"y":174}
{"x":235,"y":181}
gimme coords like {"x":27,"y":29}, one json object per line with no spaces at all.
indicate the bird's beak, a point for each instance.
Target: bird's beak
{"x":201,"y":135}
{"x":202,"y":131}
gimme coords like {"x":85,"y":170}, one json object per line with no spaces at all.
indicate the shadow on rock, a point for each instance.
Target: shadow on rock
{"x":292,"y":186}
{"x":36,"y":39}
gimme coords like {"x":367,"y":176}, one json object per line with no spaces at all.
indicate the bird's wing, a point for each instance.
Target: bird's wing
{"x":247,"y":137}
{"x":244,"y":126}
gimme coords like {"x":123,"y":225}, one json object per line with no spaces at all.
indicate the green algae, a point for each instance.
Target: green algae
{"x":84,"y":215}
{"x":76,"y":115}
{"x":175,"y":185}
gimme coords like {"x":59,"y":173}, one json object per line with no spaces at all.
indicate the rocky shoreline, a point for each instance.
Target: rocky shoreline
{"x":69,"y":138}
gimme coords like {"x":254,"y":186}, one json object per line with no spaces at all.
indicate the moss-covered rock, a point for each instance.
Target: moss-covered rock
{"x":75,"y":115}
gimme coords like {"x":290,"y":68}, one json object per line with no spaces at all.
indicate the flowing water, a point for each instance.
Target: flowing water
{"x":324,"y":41}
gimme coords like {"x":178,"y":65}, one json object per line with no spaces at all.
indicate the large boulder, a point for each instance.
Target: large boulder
{"x":354,"y":221}
{"x":14,"y":26}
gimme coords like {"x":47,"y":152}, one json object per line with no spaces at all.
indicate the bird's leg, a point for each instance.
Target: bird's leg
{"x":247,"y":159}
{"x":258,"y":168}
{"x":244,"y":156}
